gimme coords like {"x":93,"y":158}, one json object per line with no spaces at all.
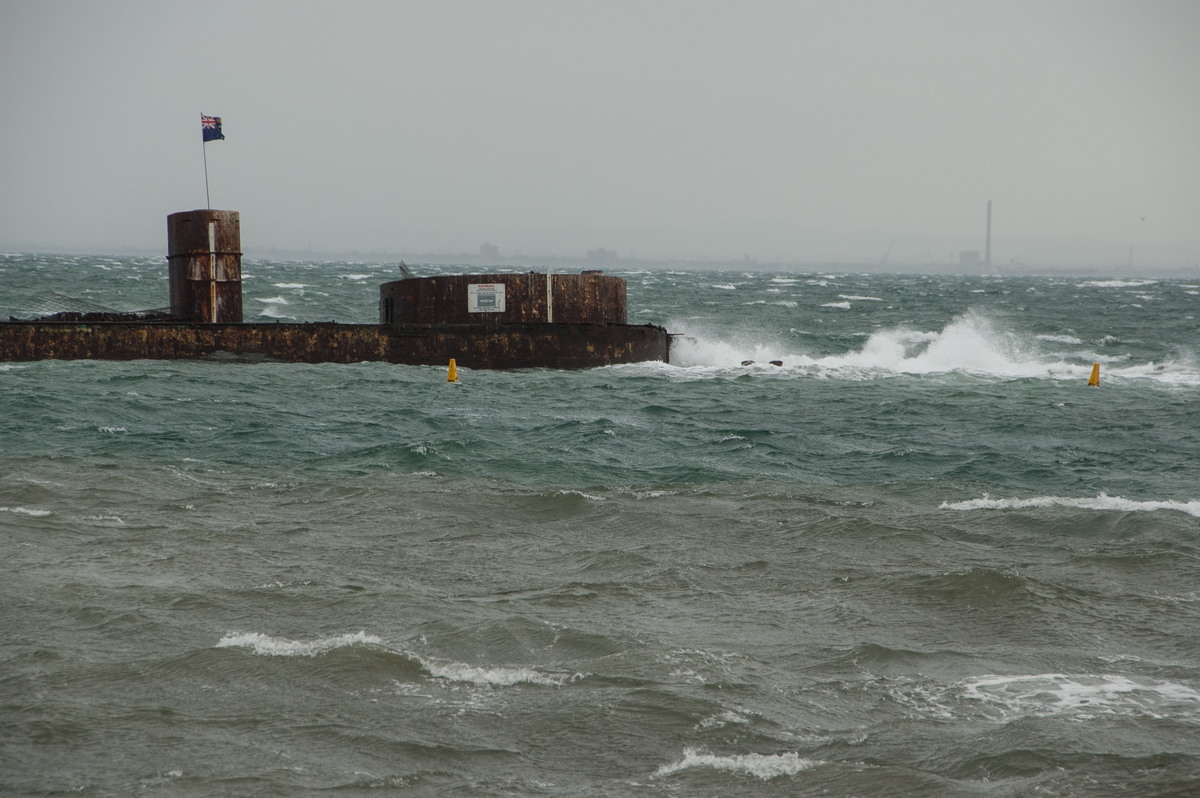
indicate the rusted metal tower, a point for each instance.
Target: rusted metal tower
{"x":205,"y":259}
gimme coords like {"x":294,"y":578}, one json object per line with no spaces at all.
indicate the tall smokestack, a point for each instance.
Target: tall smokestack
{"x":987,"y":251}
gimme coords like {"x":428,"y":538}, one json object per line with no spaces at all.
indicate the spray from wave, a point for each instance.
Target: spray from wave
{"x":970,"y":343}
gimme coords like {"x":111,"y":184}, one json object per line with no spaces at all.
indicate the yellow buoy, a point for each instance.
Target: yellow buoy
{"x":452,"y":372}
{"x":1095,"y":378}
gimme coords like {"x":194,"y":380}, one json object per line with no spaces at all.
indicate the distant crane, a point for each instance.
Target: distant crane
{"x":883,"y":260}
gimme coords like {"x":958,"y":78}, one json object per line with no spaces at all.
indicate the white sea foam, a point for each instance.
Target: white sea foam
{"x":268,"y":646}
{"x":492,"y":676}
{"x":1100,"y":502}
{"x":784,"y":303}
{"x":653,"y":494}
{"x":572,"y":492}
{"x":968,"y":344}
{"x":838,"y":305}
{"x":726,"y":286}
{"x":103,"y":518}
{"x":762,"y":766}
{"x":721,"y":720}
{"x":854,"y":298}
{"x":273,"y":312}
{"x":291,"y":285}
{"x":275,"y":300}
{"x":1116,"y":283}
{"x":1084,"y":696}
{"x":25,"y":511}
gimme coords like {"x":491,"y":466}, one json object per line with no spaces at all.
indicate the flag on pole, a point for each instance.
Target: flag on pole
{"x":210,"y":126}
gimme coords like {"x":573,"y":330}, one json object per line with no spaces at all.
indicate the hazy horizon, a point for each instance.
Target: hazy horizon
{"x":777,"y":132}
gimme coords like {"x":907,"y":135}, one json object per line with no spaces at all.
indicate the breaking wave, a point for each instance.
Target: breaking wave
{"x":268,"y":646}
{"x":968,"y":344}
{"x":1101,"y":502}
{"x":762,"y":766}
{"x":494,"y":676}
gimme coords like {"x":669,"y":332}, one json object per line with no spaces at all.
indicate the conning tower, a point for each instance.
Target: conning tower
{"x":205,"y":260}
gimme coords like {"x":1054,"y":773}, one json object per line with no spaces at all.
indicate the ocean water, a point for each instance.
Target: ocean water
{"x":920,"y":558}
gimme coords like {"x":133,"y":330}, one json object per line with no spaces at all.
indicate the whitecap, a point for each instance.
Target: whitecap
{"x":117,"y":518}
{"x":275,"y":300}
{"x":1060,"y":339}
{"x":653,"y":494}
{"x":25,"y":511}
{"x":968,"y":344}
{"x":581,"y":494}
{"x":1116,"y":283}
{"x":840,"y":305}
{"x":268,"y":646}
{"x":272,"y":312}
{"x":1082,"y":695}
{"x":1100,"y":502}
{"x":854,"y":298}
{"x":721,"y":720}
{"x":762,"y":766}
{"x":493,"y":676}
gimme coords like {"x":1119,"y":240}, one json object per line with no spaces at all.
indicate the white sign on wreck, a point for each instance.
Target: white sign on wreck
{"x":485,"y":298}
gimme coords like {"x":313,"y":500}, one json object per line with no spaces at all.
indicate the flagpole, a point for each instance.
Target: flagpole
{"x":207,"y":199}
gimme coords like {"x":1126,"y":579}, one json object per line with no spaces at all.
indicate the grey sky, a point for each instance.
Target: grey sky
{"x":793,"y":131}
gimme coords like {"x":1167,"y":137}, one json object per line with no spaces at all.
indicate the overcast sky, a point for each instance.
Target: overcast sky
{"x":792,"y":131}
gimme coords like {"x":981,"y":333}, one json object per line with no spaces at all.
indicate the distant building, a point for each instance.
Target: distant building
{"x":599,"y":257}
{"x":489,"y":252}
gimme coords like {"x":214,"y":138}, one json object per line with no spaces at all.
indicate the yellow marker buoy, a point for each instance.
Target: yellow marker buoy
{"x":452,"y":372}
{"x":1095,"y":378}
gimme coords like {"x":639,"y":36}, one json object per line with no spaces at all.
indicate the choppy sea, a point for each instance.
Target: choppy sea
{"x":920,"y":558}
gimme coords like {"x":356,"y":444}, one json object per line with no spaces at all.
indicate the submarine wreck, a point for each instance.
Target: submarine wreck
{"x":493,"y":321}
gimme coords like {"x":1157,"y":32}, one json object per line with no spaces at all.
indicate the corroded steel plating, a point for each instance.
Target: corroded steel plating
{"x":500,"y":321}
{"x":205,"y":263}
{"x":566,"y":346}
{"x":591,"y":297}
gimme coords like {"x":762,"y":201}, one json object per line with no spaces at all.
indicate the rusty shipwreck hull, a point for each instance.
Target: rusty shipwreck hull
{"x":511,"y":346}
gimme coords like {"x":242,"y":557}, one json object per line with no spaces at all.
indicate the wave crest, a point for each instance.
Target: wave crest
{"x":497,"y":676}
{"x":1100,"y":502}
{"x":266,"y":645}
{"x":762,"y":766}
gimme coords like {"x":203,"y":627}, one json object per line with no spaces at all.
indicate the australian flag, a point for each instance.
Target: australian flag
{"x":210,"y":126}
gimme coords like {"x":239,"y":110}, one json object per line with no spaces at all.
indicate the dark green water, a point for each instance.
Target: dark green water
{"x":920,"y":558}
